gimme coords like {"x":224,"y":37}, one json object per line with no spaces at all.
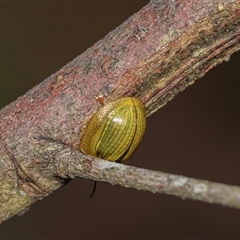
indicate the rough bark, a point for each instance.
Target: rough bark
{"x":154,"y":55}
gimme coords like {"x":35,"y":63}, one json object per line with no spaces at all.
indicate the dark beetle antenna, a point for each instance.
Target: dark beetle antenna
{"x":94,"y":189}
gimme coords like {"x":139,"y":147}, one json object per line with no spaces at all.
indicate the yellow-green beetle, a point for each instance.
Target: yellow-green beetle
{"x":114,"y":132}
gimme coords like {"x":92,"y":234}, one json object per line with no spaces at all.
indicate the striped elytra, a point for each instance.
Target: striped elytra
{"x":114,"y":132}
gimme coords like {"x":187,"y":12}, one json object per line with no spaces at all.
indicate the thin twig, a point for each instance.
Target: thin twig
{"x":72,"y":163}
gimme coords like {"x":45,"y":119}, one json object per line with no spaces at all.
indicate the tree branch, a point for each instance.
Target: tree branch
{"x":69,"y":163}
{"x":154,"y":55}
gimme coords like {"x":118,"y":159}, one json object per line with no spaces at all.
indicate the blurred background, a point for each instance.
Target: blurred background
{"x":196,"y":135}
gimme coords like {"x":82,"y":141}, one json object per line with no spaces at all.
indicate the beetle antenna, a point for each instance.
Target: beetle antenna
{"x":94,"y":189}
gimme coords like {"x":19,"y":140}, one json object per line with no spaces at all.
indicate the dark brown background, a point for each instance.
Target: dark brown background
{"x":197,"y":134}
